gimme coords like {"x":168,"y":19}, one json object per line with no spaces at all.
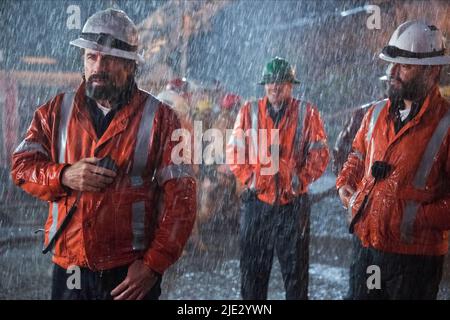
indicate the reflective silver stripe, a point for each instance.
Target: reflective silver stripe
{"x":409,"y":216}
{"x":295,"y":181}
{"x":54,"y":220}
{"x":138,"y":225}
{"x":254,"y":118}
{"x":317,"y":145}
{"x":431,"y":151}
{"x":30,"y":146}
{"x":254,"y":135}
{"x":143,"y":140}
{"x":373,"y":120}
{"x":423,"y":171}
{"x":174,"y":171}
{"x":300,"y":123}
{"x":253,"y":184}
{"x":66,"y":112}
{"x":140,"y":158}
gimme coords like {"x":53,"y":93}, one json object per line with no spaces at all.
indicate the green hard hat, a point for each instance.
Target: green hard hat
{"x":278,"y":70}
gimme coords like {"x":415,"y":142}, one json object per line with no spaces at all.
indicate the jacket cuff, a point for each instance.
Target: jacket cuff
{"x":56,"y":181}
{"x":344,"y":180}
{"x":156,"y":261}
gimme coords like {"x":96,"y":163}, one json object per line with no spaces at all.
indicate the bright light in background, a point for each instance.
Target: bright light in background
{"x":38,"y":60}
{"x":367,"y":8}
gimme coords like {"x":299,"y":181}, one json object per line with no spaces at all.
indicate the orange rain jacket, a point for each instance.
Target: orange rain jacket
{"x":302,"y":159}
{"x":134,"y":217}
{"x":408,"y":212}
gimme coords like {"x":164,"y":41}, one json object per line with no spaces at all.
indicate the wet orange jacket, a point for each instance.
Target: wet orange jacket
{"x":134,"y":217}
{"x":299,"y":164}
{"x":408,"y":212}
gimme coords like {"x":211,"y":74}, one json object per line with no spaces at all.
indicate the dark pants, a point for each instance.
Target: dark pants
{"x":403,"y":277}
{"x":93,"y":285}
{"x":285,"y":229}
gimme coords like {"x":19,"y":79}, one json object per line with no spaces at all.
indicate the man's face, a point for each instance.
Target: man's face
{"x":106,"y":76}
{"x":409,"y":82}
{"x":278,"y":92}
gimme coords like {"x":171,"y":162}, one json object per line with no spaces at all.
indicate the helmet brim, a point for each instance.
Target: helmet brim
{"x":432,"y":61}
{"x":86,"y":44}
{"x":294,"y":81}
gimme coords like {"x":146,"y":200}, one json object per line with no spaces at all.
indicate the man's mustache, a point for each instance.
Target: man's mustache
{"x":395,"y":78}
{"x":99,"y":76}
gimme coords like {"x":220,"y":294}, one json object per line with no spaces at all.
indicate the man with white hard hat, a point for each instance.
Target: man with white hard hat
{"x":395,"y":182}
{"x":120,"y":210}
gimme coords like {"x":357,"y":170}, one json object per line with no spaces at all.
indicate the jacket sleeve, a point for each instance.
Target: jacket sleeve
{"x":179,"y":200}
{"x":343,"y":145}
{"x":316,"y":149}
{"x":353,"y":169}
{"x":236,"y":148}
{"x":436,"y":215}
{"x":33,"y":168}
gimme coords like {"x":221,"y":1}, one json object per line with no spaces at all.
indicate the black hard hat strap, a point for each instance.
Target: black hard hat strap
{"x":108,"y":40}
{"x":394,"y":52}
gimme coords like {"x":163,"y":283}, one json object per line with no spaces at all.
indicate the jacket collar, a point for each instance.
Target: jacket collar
{"x":120,"y":120}
{"x":430,"y":104}
{"x":288,"y":110}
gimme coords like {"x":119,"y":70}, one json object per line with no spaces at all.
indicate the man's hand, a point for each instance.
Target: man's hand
{"x":345,"y":193}
{"x":140,"y":279}
{"x":84,"y":175}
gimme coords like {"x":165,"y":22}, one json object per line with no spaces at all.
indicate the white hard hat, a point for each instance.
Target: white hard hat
{"x":111,"y":32}
{"x":416,"y":42}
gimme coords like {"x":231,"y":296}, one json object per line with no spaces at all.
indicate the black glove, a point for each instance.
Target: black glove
{"x":380,"y":170}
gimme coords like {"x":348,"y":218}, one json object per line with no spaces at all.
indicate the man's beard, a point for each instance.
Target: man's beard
{"x":413,"y":90}
{"x":108,"y":90}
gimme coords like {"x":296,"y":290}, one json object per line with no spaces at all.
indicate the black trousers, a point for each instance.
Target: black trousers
{"x":265,"y":229}
{"x":94,"y":285}
{"x":402,"y":277}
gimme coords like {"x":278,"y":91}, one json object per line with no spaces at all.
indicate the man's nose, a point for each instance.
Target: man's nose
{"x":99,"y":64}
